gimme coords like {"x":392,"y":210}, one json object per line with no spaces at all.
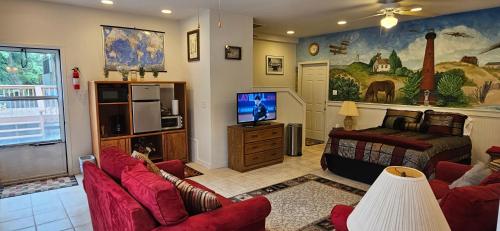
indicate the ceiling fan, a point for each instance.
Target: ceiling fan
{"x":392,"y":8}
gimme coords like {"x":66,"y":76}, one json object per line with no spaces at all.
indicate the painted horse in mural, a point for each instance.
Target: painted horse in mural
{"x":375,"y":87}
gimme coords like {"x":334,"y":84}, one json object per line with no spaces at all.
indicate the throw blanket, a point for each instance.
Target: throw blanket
{"x":377,"y":137}
{"x":386,"y":147}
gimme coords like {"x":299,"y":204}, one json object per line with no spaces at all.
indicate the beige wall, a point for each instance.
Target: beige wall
{"x":261,"y":49}
{"x":77,"y":33}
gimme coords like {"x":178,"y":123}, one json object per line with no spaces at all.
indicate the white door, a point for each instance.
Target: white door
{"x":313,"y":91}
{"x":32,"y":141}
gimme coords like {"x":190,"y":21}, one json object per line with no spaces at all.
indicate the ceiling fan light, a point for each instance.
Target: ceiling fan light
{"x":416,"y":9}
{"x":342,"y":22}
{"x":389,"y":21}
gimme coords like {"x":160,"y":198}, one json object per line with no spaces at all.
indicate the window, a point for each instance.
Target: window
{"x":30,"y":96}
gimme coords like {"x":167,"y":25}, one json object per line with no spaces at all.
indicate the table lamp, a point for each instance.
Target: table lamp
{"x":348,"y":109}
{"x":400,"y":199}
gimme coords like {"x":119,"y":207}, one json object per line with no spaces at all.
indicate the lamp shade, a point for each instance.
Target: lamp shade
{"x":349,"y":108}
{"x":395,"y":203}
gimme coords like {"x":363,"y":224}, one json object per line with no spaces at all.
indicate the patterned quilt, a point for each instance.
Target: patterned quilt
{"x":450,"y":148}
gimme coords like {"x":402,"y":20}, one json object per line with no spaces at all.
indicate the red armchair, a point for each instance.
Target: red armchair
{"x":113,"y":208}
{"x":465,"y":208}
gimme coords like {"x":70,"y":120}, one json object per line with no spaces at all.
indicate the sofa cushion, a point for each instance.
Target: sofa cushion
{"x":439,"y":187}
{"x":110,"y":206}
{"x":339,"y":216}
{"x":195,"y":199}
{"x":159,"y":196}
{"x":472,"y":207}
{"x":472,"y":177}
{"x":113,"y":160}
{"x":493,"y":178}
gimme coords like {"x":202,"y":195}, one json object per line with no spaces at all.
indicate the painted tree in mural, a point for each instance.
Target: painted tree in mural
{"x":411,"y":89}
{"x":450,"y":93}
{"x":394,"y":62}
{"x":347,"y":89}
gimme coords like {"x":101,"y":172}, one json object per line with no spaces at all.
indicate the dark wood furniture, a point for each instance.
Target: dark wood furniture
{"x":170,"y":144}
{"x":255,"y":147}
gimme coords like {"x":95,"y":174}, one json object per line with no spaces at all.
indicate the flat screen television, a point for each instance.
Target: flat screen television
{"x":256,"y":106}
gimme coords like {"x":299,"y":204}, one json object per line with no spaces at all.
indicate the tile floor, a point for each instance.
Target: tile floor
{"x":66,"y":209}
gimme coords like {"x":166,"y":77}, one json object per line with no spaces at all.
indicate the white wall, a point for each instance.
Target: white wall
{"x":77,"y":33}
{"x":198,"y":75}
{"x":228,"y":77}
{"x":262,"y":48}
{"x":484,"y":133}
{"x":215,"y":82}
{"x":290,"y":108}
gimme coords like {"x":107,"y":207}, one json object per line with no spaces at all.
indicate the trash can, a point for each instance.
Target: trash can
{"x":294,"y":139}
{"x":84,"y":159}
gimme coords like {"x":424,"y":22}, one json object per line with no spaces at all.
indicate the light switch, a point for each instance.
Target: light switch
{"x":334,"y":92}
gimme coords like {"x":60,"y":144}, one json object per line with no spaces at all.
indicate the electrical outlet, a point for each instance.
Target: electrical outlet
{"x":334,"y":92}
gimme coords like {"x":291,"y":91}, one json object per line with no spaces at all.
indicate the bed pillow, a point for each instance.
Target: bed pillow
{"x":438,"y":124}
{"x":457,"y":124}
{"x":393,"y":117}
{"x":411,"y":126}
{"x":472,"y":177}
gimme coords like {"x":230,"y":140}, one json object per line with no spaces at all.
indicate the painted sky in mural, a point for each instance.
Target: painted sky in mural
{"x":458,"y":35}
{"x":408,"y":39}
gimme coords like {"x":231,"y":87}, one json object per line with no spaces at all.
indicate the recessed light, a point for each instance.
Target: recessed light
{"x":107,"y":2}
{"x":166,"y":11}
{"x":342,"y":22}
{"x":416,"y":9}
{"x":290,"y":32}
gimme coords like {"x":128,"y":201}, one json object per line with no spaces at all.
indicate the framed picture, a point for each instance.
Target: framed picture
{"x":132,"y":48}
{"x":232,"y":52}
{"x":193,"y":48}
{"x":274,"y":65}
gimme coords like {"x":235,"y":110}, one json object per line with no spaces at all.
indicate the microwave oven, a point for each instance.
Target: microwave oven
{"x":112,"y":93}
{"x":171,"y":122}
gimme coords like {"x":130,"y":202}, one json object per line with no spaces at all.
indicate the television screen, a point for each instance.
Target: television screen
{"x":256,"y":106}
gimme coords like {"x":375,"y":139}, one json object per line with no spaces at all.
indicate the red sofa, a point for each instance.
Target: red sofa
{"x":112,"y":207}
{"x":465,"y":208}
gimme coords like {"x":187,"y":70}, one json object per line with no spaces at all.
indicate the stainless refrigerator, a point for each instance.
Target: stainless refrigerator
{"x":146,"y":109}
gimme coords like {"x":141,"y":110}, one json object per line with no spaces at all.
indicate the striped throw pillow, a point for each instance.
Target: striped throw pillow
{"x":408,"y":117}
{"x":195,"y":200}
{"x":411,"y":126}
{"x":149,"y":164}
{"x":457,"y":125}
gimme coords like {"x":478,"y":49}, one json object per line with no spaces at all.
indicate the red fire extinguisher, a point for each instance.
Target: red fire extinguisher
{"x":76,"y":78}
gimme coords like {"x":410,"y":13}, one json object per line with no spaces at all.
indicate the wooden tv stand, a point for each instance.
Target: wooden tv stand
{"x":255,"y":147}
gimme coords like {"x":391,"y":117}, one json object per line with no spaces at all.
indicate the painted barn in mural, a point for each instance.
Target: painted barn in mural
{"x":449,"y":61}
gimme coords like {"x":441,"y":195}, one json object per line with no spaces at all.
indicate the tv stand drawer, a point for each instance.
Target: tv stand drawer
{"x":262,"y":157}
{"x":264,"y":145}
{"x":255,"y":147}
{"x":264,"y":134}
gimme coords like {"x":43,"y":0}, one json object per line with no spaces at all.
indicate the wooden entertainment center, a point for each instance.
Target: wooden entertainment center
{"x":255,"y":147}
{"x":104,"y":116}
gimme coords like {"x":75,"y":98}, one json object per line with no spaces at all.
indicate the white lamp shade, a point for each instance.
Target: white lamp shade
{"x":395,"y":203}
{"x":349,"y":108}
{"x":389,"y":21}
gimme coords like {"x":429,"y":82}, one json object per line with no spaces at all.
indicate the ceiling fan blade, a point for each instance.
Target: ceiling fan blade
{"x":416,"y":14}
{"x":367,"y":17}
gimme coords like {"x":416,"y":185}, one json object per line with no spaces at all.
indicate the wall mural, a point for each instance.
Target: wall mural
{"x":448,"y":61}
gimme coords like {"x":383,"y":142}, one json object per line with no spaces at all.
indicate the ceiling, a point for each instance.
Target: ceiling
{"x":306,"y":17}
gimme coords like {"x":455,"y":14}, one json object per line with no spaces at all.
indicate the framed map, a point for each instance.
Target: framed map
{"x":132,"y":48}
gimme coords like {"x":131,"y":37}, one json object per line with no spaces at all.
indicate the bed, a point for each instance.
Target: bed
{"x":362,"y":155}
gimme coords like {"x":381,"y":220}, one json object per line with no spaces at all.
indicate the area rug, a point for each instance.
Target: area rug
{"x":191,"y":172}
{"x":304,"y":203}
{"x":37,"y":186}
{"x":311,"y":142}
